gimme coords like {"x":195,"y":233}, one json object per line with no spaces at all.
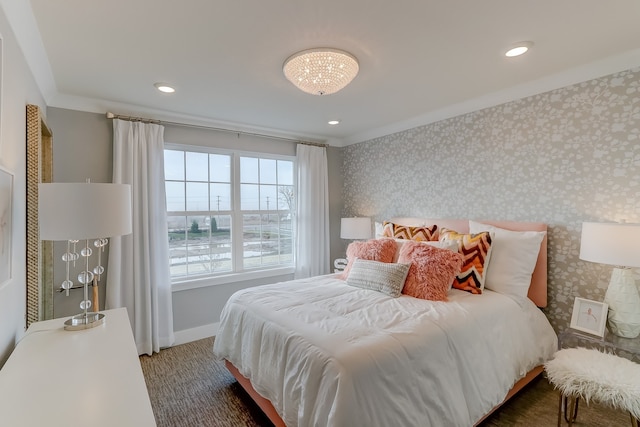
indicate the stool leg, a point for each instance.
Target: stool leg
{"x":572,"y":406}
{"x":560,"y":404}
{"x":570,"y":413}
{"x":575,"y":412}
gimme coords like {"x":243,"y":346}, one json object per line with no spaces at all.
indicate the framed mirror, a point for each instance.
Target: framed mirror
{"x":39,"y":253}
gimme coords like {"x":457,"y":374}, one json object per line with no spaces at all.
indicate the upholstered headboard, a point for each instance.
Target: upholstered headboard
{"x":538,"y":289}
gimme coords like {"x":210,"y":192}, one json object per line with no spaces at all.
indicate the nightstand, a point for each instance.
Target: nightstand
{"x":628,"y":348}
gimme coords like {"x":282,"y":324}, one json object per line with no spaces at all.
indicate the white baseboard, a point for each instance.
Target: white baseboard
{"x":194,"y":334}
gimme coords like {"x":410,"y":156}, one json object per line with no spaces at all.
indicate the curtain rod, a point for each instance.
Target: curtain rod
{"x":111,"y":115}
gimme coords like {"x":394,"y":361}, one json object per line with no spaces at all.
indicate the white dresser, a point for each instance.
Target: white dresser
{"x":75,"y":378}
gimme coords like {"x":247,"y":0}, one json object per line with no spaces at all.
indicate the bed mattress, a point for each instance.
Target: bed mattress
{"x":329,"y":354}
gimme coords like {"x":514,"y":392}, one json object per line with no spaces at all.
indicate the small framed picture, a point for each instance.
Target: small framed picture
{"x":589,"y":316}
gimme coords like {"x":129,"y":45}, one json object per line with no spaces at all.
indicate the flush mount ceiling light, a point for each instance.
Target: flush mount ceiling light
{"x":334,"y":122}
{"x":519,"y":49}
{"x":163,"y":87}
{"x":321,"y":71}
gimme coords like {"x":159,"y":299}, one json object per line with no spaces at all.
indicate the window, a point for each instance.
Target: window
{"x":228,"y":212}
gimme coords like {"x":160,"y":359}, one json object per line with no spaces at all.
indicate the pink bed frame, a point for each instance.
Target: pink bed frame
{"x":537,"y":294}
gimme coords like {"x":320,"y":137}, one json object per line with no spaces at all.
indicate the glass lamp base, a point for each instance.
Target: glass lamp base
{"x":84,"y":321}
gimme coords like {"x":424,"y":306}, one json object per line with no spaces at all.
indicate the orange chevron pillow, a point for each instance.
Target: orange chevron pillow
{"x":419,"y":234}
{"x":476,"y":252}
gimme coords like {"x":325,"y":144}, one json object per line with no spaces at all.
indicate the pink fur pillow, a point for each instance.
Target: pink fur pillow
{"x":432,"y":270}
{"x":382,"y":250}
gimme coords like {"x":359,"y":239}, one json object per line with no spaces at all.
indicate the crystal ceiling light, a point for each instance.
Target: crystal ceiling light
{"x":321,"y":71}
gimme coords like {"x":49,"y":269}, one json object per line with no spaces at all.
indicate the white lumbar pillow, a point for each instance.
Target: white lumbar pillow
{"x":513,"y":257}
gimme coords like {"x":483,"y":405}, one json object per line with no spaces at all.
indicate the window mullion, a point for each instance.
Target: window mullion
{"x":236,"y":233}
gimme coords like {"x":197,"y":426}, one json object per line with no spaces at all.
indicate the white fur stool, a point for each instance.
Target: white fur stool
{"x":594,"y":376}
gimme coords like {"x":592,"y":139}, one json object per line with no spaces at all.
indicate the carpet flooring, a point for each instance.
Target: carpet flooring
{"x":189,"y":388}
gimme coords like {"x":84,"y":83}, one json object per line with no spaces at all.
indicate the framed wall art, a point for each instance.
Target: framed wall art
{"x":589,"y":316}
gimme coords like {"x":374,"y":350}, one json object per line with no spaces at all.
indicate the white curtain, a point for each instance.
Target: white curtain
{"x":138,"y":275}
{"x":312,"y":216}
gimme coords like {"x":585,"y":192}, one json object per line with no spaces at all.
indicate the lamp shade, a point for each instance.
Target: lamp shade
{"x":79,"y":211}
{"x":355,"y":228}
{"x":611,"y":243}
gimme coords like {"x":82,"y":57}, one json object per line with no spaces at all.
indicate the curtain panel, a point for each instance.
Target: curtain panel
{"x":138,"y":277}
{"x":312,"y":215}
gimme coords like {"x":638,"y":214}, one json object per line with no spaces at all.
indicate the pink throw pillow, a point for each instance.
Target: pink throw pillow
{"x":382,"y":250}
{"x":432,"y":270}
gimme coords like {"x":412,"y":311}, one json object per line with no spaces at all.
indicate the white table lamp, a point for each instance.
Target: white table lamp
{"x":355,"y":228}
{"x":358,"y":228}
{"x":616,"y":244}
{"x":84,"y":211}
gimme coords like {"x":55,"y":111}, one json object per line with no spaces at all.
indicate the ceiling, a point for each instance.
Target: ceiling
{"x":420,"y":60}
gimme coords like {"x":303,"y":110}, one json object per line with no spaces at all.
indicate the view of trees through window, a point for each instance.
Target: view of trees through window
{"x":228,"y":212}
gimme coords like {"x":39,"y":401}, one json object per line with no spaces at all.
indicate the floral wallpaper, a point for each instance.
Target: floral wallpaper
{"x":560,"y":157}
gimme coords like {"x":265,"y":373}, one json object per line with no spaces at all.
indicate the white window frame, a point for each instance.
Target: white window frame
{"x":238,"y":273}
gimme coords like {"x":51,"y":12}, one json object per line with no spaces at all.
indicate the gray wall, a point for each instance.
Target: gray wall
{"x":562,"y":157}
{"x":83,"y":149}
{"x":18,"y":89}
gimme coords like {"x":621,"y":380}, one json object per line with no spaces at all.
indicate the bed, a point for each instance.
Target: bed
{"x":319,"y":352}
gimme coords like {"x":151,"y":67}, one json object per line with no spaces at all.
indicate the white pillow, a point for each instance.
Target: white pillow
{"x":384,"y":277}
{"x":379,"y":229}
{"x":513,"y":257}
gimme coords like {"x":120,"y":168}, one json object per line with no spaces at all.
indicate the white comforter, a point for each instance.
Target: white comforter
{"x":328,"y":354}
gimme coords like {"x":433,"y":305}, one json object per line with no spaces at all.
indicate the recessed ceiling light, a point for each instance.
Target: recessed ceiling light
{"x":333,"y":122}
{"x":163,"y":87}
{"x":518,"y":49}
